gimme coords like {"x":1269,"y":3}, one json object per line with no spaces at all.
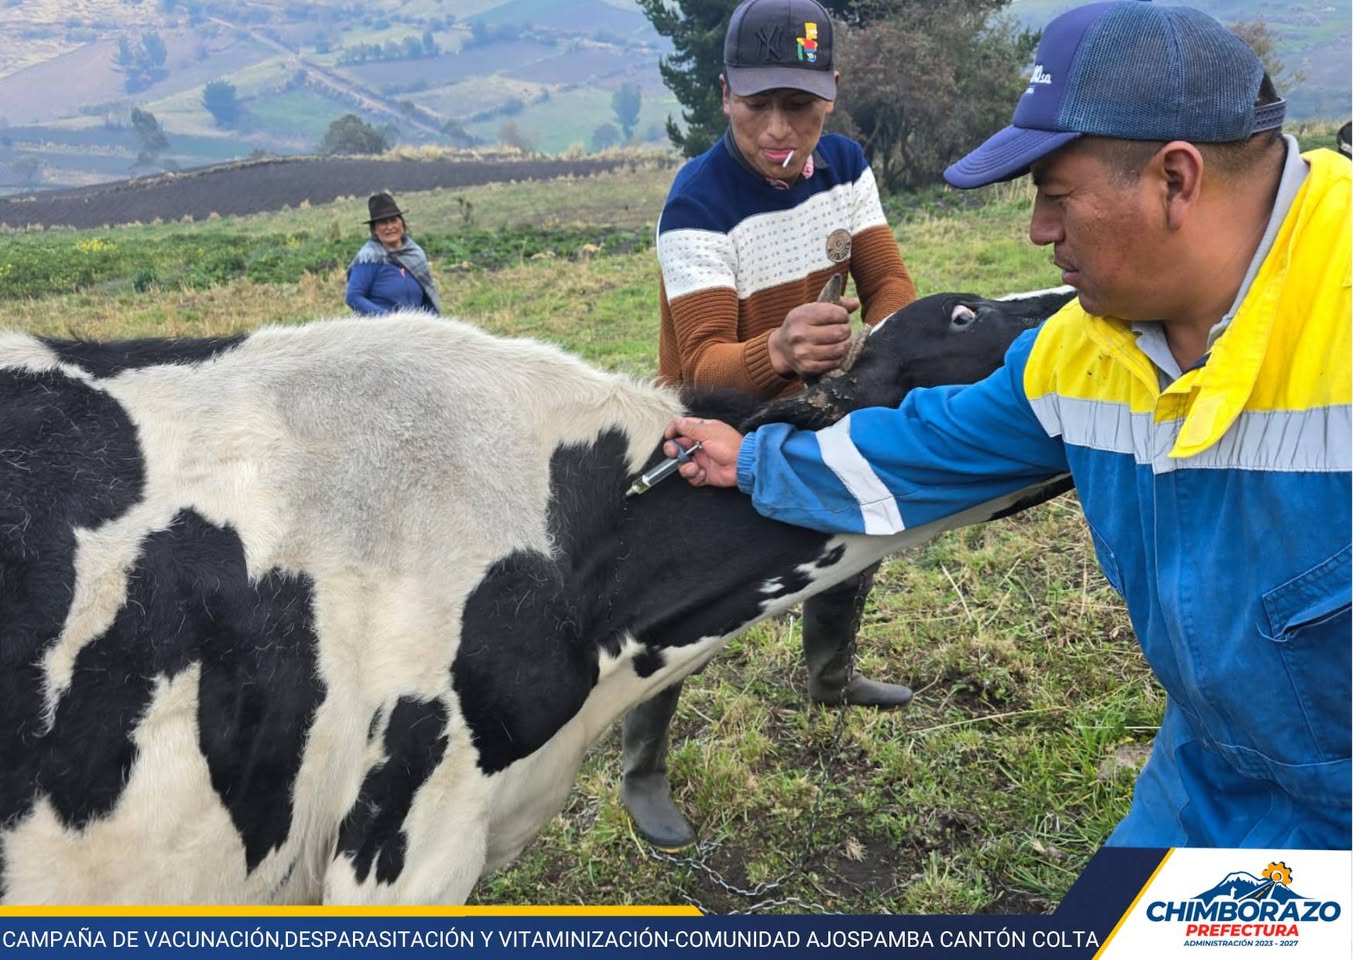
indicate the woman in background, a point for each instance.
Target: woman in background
{"x":390,"y":271}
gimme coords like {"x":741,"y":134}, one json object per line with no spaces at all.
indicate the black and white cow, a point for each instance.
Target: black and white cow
{"x":332,"y":612}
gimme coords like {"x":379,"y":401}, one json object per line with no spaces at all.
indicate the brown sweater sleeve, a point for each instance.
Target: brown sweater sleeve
{"x":700,"y":346}
{"x":881,"y":278}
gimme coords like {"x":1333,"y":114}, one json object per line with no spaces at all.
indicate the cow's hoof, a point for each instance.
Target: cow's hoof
{"x":862,"y":692}
{"x":648,"y":798}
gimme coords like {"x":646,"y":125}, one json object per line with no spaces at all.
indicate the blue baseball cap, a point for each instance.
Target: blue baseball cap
{"x":1131,"y":70}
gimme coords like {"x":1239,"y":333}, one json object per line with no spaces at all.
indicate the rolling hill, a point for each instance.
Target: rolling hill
{"x":538,"y":75}
{"x":1312,"y":40}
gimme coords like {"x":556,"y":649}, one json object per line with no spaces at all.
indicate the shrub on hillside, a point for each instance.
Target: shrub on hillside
{"x":221,"y":102}
{"x":351,"y":134}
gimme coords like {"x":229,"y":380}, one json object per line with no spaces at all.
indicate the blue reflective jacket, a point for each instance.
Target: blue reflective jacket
{"x":1219,"y":508}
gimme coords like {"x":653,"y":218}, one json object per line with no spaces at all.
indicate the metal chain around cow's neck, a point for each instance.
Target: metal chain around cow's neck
{"x":698,"y":860}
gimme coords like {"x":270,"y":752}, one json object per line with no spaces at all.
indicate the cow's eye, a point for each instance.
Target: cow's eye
{"x":962,"y":315}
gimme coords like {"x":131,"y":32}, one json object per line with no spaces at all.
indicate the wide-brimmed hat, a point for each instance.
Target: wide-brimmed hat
{"x":780,"y":44}
{"x":1132,"y":71}
{"x":382,"y":206}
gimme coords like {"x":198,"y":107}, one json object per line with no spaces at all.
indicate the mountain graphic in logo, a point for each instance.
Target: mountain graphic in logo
{"x":1274,"y":884}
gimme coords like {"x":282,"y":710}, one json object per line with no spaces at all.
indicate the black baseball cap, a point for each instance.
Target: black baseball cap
{"x":780,"y":44}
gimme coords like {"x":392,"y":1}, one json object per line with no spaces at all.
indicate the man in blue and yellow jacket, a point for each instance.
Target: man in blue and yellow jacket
{"x":1198,"y":390}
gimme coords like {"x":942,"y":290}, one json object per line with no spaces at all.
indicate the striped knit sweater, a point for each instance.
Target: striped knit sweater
{"x":737,"y":254}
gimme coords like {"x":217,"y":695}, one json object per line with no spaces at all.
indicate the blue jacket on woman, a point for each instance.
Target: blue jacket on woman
{"x":381,"y":281}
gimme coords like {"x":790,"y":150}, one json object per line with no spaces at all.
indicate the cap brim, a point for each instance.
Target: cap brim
{"x":1005,"y":155}
{"x":747,"y":81}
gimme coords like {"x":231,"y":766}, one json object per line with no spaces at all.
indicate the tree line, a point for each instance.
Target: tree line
{"x":922,"y":81}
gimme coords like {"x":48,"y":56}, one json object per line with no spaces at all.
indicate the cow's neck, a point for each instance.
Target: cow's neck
{"x":677,"y":565}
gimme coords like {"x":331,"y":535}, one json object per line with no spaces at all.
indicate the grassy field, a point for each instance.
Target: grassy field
{"x":1033,"y":707}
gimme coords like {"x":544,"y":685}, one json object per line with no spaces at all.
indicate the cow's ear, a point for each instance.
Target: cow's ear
{"x":811,"y":409}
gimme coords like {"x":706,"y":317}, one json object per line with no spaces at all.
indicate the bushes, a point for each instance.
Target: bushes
{"x":35,"y":265}
{"x":493,"y":249}
{"x":39,"y":265}
{"x":351,"y":134}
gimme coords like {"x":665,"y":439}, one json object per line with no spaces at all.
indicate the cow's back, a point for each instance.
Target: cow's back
{"x":231,"y":582}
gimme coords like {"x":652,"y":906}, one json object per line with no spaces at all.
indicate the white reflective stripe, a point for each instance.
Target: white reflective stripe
{"x":840,"y":455}
{"x":1307,"y":441}
{"x":1319,"y":440}
{"x":1097,"y":424}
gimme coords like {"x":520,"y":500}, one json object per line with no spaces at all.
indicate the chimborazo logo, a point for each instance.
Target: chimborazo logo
{"x":1243,"y":908}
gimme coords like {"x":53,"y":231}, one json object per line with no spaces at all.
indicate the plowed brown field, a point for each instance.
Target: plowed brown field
{"x":255,"y":186}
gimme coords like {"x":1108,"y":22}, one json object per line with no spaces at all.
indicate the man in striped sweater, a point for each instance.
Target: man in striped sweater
{"x":751,"y":232}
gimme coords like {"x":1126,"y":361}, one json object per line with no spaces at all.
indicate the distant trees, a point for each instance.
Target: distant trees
{"x":30,"y":168}
{"x":411,"y":48}
{"x":921,"y":82}
{"x":510,"y":135}
{"x":605,"y":135}
{"x":482,"y":34}
{"x":149,"y":134}
{"x":221,"y":101}
{"x":141,"y":63}
{"x":1265,"y":45}
{"x":457,"y":135}
{"x":625,"y":103}
{"x":351,"y":134}
{"x":696,"y":29}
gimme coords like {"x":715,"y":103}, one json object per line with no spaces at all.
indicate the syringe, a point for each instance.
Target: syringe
{"x":662,"y":471}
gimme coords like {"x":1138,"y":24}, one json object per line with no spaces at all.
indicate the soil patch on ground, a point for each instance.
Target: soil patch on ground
{"x":256,"y":186}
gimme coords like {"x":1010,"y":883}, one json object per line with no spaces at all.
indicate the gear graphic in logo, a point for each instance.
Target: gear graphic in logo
{"x":1279,"y":873}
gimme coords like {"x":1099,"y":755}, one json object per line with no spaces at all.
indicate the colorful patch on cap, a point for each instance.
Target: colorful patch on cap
{"x":808,"y":43}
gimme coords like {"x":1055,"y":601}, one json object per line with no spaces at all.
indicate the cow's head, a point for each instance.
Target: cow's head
{"x":943,"y":338}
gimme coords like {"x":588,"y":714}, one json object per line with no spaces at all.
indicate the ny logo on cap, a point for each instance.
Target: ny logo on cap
{"x":769,"y":38}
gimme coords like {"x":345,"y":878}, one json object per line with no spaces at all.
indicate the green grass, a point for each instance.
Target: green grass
{"x":1033,"y":707}
{"x":40,"y":264}
{"x":566,"y":120}
{"x":305,"y":114}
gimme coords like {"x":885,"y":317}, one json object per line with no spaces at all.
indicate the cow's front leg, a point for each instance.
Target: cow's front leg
{"x":417,"y":831}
